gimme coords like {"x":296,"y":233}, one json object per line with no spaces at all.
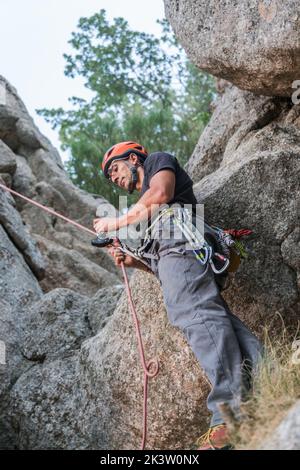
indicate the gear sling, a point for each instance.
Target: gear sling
{"x":220,"y":248}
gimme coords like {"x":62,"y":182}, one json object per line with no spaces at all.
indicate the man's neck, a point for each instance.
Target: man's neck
{"x":139,"y":184}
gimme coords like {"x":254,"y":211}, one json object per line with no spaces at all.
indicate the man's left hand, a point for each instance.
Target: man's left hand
{"x":106,"y":224}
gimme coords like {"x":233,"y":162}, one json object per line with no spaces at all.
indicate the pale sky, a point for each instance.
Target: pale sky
{"x":34,"y":35}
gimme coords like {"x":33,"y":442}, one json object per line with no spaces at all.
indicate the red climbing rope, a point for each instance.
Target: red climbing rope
{"x":146,"y":367}
{"x":153,"y":363}
{"x":48,"y":209}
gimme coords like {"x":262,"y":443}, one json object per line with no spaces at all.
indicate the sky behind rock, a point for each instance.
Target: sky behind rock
{"x":34,"y":35}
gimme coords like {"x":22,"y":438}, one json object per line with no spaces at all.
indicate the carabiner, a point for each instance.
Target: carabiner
{"x":208,"y":252}
{"x":224,"y":267}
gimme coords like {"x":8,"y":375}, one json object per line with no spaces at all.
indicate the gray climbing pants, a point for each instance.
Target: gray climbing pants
{"x":223,"y":345}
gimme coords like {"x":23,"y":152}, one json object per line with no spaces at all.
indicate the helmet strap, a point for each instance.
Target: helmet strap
{"x":134,"y":176}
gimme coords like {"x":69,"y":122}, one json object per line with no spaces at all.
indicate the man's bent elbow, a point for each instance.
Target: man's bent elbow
{"x":163,"y":197}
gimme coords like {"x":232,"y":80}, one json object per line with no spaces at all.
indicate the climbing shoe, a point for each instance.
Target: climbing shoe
{"x":216,"y":438}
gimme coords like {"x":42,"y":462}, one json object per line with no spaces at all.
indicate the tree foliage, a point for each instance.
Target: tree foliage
{"x":143,"y":88}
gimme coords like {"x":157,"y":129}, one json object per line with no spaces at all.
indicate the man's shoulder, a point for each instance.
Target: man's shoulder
{"x":159,"y":154}
{"x":156,"y":157}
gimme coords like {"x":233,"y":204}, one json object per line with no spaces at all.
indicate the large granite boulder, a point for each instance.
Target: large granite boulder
{"x":44,"y":402}
{"x":44,"y":407}
{"x":253,"y":44}
{"x":236,"y":113}
{"x":55,"y":326}
{"x":7,"y":159}
{"x":19,"y":288}
{"x":286,"y":436}
{"x":13,"y":224}
{"x":36,"y":170}
{"x":246,"y":168}
{"x":42,"y":328}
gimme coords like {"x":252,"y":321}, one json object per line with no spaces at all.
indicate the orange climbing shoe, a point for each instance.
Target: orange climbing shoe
{"x":216,"y":438}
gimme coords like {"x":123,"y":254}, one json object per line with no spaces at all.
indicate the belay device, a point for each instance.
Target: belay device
{"x":102,"y":240}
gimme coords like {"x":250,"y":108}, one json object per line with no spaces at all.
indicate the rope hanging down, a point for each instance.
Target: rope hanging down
{"x":153,"y":363}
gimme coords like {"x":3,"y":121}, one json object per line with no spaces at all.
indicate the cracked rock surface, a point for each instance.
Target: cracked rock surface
{"x":71,"y":377}
{"x":253,"y":44}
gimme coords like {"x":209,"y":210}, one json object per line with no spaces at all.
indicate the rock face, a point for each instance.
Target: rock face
{"x":287,"y":434}
{"x":19,"y":288}
{"x":43,"y":323}
{"x":45,"y":400}
{"x":44,"y":405}
{"x":7,"y":159}
{"x":55,"y":325}
{"x":71,"y":378}
{"x":254,"y":45}
{"x":246,"y":167}
{"x":72,"y":372}
{"x":12,"y":221}
{"x":235,"y":115}
{"x":103,"y":306}
{"x":39,"y":174}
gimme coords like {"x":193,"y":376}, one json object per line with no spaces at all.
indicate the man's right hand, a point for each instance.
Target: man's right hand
{"x":128,"y":260}
{"x":120,"y":257}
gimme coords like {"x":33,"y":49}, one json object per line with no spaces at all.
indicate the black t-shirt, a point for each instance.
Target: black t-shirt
{"x":158,"y":161}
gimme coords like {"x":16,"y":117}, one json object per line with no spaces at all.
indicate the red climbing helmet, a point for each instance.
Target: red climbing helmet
{"x":121,"y":151}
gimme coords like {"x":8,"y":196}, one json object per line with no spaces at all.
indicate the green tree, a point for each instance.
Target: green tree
{"x":143,"y":88}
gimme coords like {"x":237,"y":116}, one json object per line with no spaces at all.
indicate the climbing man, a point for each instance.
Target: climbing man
{"x":225,"y":348}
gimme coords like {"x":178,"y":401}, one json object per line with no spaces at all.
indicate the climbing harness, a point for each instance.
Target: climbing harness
{"x":220,"y":248}
{"x":150,"y":368}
